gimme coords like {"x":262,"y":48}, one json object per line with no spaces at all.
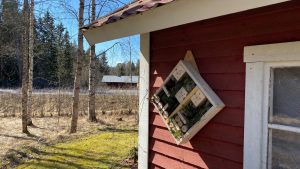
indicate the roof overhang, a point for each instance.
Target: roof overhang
{"x":173,"y":14}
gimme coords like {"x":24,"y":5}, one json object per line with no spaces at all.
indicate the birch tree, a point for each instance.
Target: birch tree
{"x":25,"y":68}
{"x":92,"y":72}
{"x":77,"y":79}
{"x":30,"y":73}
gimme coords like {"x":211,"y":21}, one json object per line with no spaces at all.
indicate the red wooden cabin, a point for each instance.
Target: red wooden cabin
{"x":247,"y":51}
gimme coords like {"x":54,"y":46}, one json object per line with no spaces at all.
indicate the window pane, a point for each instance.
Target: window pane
{"x":286,"y":96}
{"x":285,"y":150}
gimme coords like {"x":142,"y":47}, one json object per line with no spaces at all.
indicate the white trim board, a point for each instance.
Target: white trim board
{"x":143,"y":143}
{"x":289,"y":51}
{"x":259,"y":61}
{"x":176,"y":13}
{"x":253,"y":115}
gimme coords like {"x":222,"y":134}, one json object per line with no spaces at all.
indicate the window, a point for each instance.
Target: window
{"x":272,"y":108}
{"x":284,"y":118}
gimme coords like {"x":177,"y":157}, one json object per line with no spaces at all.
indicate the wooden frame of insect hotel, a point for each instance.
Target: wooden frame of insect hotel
{"x":185,"y":102}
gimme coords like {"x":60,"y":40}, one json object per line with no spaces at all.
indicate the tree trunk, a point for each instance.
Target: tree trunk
{"x":77,"y":79}
{"x":92,"y":84}
{"x":30,"y":74}
{"x":25,"y":72}
{"x":92,"y":73}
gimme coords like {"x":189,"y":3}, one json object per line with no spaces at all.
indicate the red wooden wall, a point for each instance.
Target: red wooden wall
{"x":218,"y":46}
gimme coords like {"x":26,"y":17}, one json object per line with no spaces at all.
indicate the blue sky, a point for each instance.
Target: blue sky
{"x":62,"y":15}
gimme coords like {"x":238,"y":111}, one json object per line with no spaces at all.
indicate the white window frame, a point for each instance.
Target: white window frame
{"x":259,"y":62}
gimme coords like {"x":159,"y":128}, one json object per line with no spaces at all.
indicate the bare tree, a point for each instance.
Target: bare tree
{"x":92,"y":72}
{"x":30,"y":74}
{"x":76,"y":89}
{"x":25,"y":71}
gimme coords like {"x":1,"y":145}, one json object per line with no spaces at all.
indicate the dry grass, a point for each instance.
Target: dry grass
{"x":50,"y":104}
{"x":112,"y":112}
{"x":105,"y":150}
{"x":50,"y":131}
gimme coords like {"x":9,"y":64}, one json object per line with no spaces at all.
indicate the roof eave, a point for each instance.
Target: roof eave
{"x":187,"y":11}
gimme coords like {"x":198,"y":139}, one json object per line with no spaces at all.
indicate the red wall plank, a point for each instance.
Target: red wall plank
{"x":219,"y":132}
{"x":210,"y":162}
{"x":203,"y":145}
{"x":226,"y":117}
{"x":152,"y":166}
{"x":218,"y":46}
{"x":181,"y":154}
{"x":168,"y":163}
{"x":232,"y":27}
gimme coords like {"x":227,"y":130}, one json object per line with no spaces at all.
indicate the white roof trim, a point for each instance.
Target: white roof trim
{"x":176,"y":13}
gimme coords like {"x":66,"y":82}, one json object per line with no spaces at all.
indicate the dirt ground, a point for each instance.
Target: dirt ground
{"x":54,"y":129}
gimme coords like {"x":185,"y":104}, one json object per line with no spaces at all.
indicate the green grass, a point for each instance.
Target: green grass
{"x":105,"y":150}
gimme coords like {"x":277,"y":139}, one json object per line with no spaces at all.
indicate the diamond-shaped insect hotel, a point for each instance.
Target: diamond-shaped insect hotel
{"x":186,"y":102}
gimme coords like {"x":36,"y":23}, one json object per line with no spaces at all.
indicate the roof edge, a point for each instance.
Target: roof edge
{"x":131,"y":9}
{"x":174,"y":14}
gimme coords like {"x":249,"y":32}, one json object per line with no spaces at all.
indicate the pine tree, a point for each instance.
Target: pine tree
{"x":60,"y":54}
{"x":137,"y":67}
{"x":10,"y":44}
{"x":46,"y":50}
{"x":69,"y":52}
{"x":103,"y":65}
{"x":45,"y":68}
{"x":121,"y":69}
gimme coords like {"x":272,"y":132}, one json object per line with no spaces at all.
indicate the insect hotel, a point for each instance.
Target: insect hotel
{"x":219,"y":81}
{"x":185,"y":101}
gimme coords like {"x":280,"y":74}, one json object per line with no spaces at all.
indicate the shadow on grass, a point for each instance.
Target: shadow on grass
{"x":15,"y":157}
{"x":65,"y":160}
{"x":40,"y":163}
{"x":85,"y":157}
{"x":112,"y":129}
{"x":30,"y":137}
{"x":102,"y":122}
{"x":37,"y":127}
{"x":51,"y":156}
{"x":49,"y":163}
{"x":67,"y":149}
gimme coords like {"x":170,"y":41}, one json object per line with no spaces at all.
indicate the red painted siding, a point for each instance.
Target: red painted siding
{"x":218,"y":46}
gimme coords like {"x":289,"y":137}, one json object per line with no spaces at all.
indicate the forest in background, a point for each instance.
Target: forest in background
{"x":54,"y":57}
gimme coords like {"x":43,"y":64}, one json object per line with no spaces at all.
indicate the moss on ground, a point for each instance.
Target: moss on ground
{"x":105,"y":150}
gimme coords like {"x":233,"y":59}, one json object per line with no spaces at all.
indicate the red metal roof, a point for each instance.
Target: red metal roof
{"x":136,"y":7}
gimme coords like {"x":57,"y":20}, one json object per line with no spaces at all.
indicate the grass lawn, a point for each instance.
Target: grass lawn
{"x":105,"y":150}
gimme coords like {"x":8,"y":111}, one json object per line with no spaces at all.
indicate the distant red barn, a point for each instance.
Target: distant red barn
{"x":248,"y":52}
